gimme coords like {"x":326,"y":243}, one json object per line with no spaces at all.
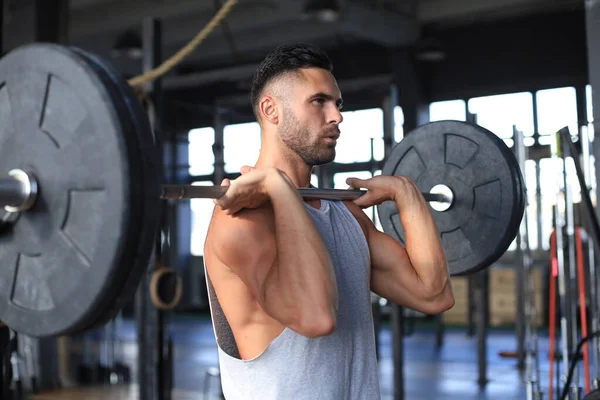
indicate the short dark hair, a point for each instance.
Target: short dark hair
{"x":286,"y":58}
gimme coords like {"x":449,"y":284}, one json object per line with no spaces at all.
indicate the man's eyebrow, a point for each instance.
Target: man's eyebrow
{"x":326,"y":96}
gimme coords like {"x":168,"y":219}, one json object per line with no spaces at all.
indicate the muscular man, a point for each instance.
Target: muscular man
{"x":290,"y":280}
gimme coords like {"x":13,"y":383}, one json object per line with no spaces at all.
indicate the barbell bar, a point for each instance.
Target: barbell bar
{"x":82,"y":187}
{"x":214,"y":192}
{"x":19,"y":191}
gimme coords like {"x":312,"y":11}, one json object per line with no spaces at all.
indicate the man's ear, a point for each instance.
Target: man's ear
{"x":269,"y":110}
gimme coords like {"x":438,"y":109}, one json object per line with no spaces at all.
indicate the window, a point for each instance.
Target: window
{"x":501,"y":112}
{"x":550,"y":172}
{"x":556,"y":108}
{"x":200,"y":151}
{"x":589,"y":104}
{"x":201,"y":216}
{"x":339,"y":182}
{"x":532,"y":212}
{"x":398,"y":124}
{"x":362,"y":133}
{"x":588,"y":159}
{"x":451,"y":109}
{"x":241,"y":144}
{"x":314,"y":180}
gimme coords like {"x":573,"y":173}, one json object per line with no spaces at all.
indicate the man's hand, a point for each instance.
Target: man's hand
{"x":382,"y":188}
{"x":250,"y":190}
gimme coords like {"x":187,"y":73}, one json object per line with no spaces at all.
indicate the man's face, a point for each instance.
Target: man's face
{"x":311,"y":116}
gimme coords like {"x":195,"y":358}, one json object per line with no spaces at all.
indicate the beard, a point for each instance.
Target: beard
{"x":300,"y":140}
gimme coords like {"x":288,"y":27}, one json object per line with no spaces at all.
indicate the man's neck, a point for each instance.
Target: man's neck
{"x":295,"y":168}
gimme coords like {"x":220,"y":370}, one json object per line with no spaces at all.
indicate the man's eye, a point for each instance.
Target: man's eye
{"x":319,"y":101}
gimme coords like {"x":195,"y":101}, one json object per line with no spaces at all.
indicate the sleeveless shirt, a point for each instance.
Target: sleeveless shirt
{"x":339,"y":366}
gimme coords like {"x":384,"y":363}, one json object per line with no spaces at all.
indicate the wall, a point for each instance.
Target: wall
{"x":525,"y":54}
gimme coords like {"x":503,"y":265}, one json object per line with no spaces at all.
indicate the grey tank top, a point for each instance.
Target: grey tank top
{"x":340,"y":366}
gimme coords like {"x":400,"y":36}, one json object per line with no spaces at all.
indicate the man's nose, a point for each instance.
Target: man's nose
{"x":336,"y":116}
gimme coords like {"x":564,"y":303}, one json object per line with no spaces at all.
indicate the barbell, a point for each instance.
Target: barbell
{"x":82,"y":189}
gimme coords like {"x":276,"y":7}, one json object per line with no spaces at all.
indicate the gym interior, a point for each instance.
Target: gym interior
{"x":524,"y":326}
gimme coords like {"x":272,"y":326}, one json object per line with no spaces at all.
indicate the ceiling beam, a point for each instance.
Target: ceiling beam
{"x":182,"y":19}
{"x":120,"y":15}
{"x":429,"y":11}
{"x":259,"y":41}
{"x":380,"y":26}
{"x":182,"y":30}
{"x":196,"y":79}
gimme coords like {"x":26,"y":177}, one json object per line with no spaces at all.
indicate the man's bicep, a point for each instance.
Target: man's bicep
{"x":390,"y":263}
{"x":394,"y":278}
{"x":392,"y":274}
{"x":391,"y":271}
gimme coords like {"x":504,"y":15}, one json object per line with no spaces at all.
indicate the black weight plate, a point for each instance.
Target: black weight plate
{"x":64,"y":255}
{"x":133,"y":262}
{"x":484,"y":176}
{"x":142,"y":136}
{"x":130,"y":266}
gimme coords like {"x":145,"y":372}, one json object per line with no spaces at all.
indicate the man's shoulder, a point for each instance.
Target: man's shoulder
{"x":239,"y":242}
{"x":245,"y":228}
{"x":244,"y":219}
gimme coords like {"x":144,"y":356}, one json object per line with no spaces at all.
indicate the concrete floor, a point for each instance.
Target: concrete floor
{"x":448,"y":373}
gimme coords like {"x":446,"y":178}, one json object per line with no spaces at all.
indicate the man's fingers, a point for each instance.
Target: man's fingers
{"x":245,"y":169}
{"x":355,"y":183}
{"x":220,"y":201}
{"x":365,"y":201}
{"x":224,"y":203}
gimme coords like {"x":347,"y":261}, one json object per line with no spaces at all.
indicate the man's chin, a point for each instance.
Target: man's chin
{"x":327,"y":160}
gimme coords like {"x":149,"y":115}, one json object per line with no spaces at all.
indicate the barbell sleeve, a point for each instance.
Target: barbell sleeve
{"x":178,"y":192}
{"x":18,"y":191}
{"x":12,"y":192}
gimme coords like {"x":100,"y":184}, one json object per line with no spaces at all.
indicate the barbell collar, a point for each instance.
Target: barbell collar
{"x":445,"y":195}
{"x":19,"y":191}
{"x":180,"y":192}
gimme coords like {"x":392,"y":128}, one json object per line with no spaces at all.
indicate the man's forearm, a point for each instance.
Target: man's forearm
{"x":302,"y":282}
{"x":423,"y":245}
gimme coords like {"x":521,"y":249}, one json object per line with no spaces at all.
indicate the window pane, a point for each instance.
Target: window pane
{"x":557,"y":108}
{"x":241,"y":145}
{"x":529,"y":174}
{"x":339,"y":182}
{"x":201,"y":214}
{"x":548,"y":186}
{"x":572,"y":181}
{"x":589,"y":104}
{"x":587,"y":159}
{"x":339,"y":179}
{"x":530,"y":169}
{"x":201,"y":156}
{"x":398,"y":124}
{"x":358,"y":128}
{"x":546,"y":140}
{"x":499,"y":113}
{"x":451,"y":109}
{"x":314,"y":180}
